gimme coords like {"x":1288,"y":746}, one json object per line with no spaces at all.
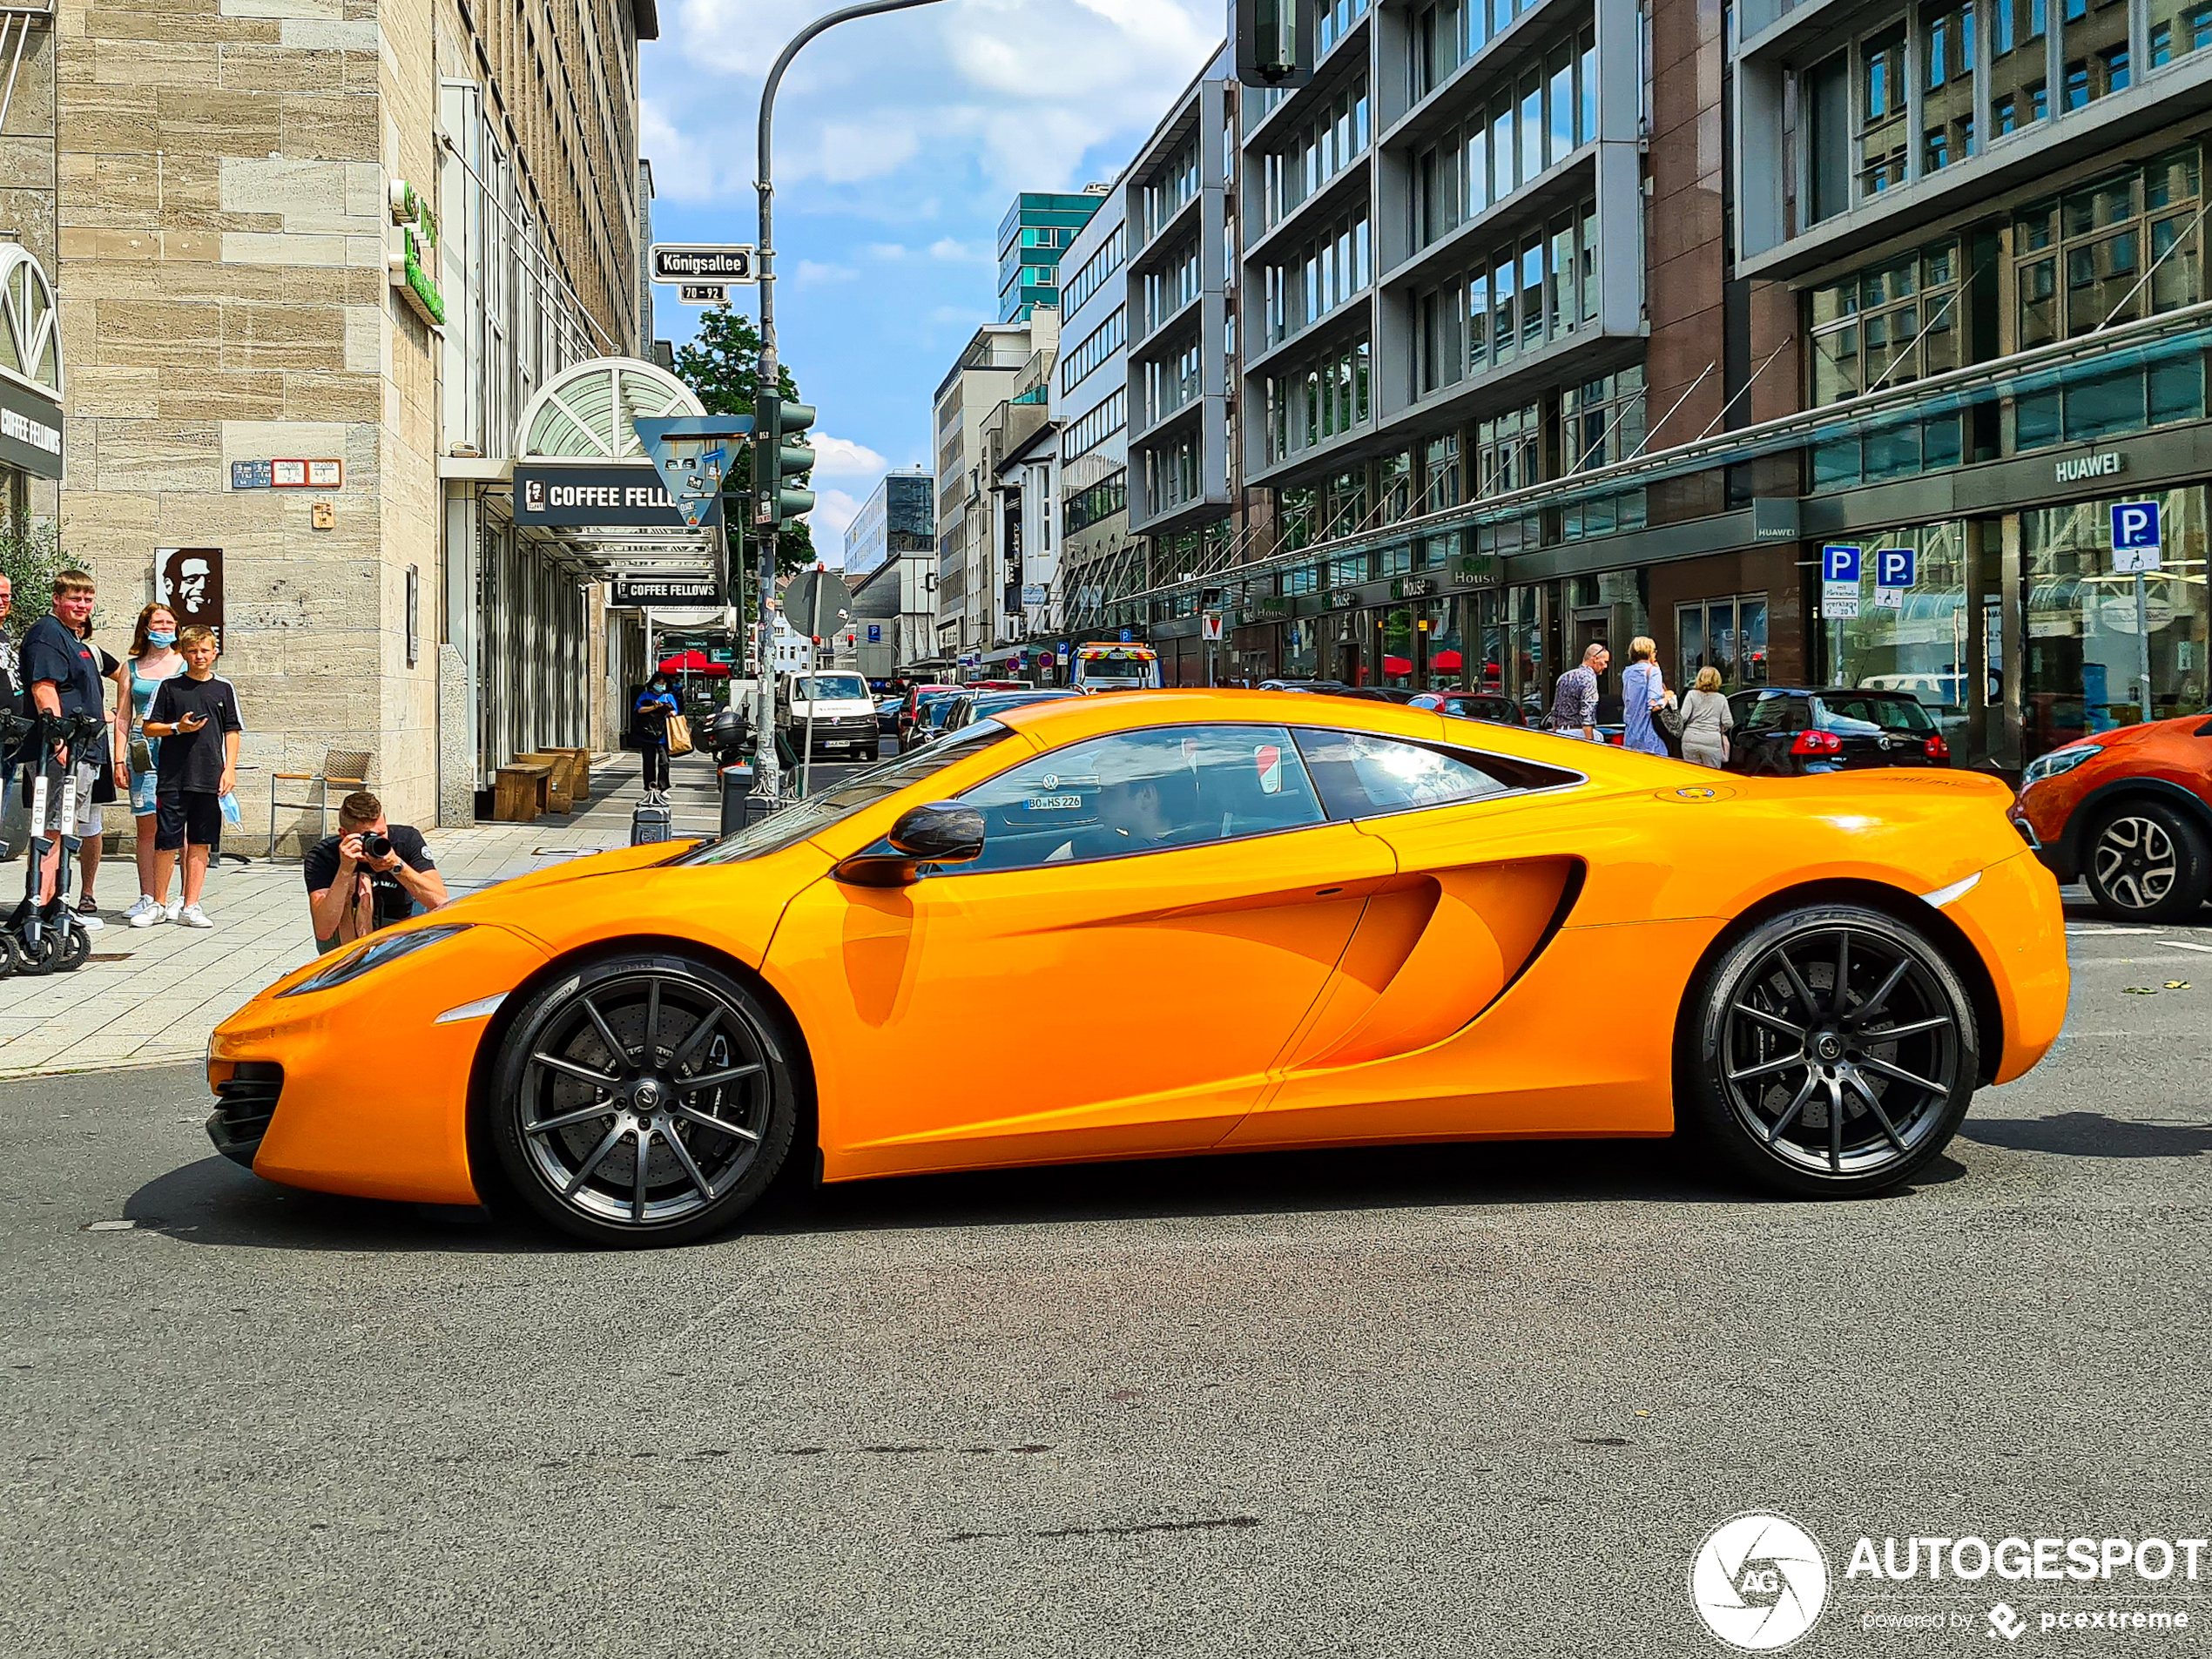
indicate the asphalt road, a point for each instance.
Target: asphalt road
{"x":1478,"y":1400}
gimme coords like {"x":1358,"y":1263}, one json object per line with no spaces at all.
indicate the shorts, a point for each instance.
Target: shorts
{"x":194,"y":816}
{"x":144,"y":787}
{"x":104,"y":782}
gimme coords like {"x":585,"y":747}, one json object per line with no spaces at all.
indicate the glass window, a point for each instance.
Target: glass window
{"x":1361,"y":775}
{"x":2017,"y":79}
{"x":1882,"y":112}
{"x":1141,"y":792}
{"x":1947,"y":103}
{"x":2096,"y":49}
{"x":2178,"y":28}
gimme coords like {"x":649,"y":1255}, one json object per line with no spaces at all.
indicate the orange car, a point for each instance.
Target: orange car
{"x":2130,"y":812}
{"x":1205,"y":921}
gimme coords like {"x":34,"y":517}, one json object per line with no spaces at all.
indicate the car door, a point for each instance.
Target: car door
{"x":1152,"y":916}
{"x":1487,"y":853}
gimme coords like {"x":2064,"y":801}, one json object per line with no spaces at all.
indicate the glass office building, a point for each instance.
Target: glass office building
{"x":1034,"y":233}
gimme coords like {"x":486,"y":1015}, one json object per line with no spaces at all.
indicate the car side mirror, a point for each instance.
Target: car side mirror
{"x":939,"y":832}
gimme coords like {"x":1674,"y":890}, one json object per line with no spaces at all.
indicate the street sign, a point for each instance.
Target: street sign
{"x":628,"y":495}
{"x":1839,"y":572}
{"x":692,"y":453}
{"x":704,"y":293}
{"x":700,"y":589}
{"x":1046,"y":659}
{"x":1895,"y":570}
{"x":2135,"y":537}
{"x":703,"y":262}
{"x":1213,"y":628}
{"x":875,"y":633}
{"x":1127,"y":636}
{"x":1034,"y":594}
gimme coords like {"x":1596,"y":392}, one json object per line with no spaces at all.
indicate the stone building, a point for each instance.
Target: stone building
{"x":314,"y":258}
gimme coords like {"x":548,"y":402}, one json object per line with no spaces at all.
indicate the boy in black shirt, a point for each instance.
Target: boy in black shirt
{"x":195,"y":715}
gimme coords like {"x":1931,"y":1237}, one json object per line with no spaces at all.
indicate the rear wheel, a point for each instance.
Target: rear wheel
{"x":1835,"y":1053}
{"x":2147,"y":862}
{"x":644,"y":1100}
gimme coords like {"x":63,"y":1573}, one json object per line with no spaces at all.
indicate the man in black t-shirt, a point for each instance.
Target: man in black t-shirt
{"x":357,"y":883}
{"x":61,"y":675}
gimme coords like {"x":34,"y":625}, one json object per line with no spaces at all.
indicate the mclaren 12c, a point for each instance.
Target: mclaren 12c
{"x":1163,"y":923}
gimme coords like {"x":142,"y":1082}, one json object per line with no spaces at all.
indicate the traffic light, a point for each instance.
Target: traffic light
{"x":1274,"y":42}
{"x":783,"y":462}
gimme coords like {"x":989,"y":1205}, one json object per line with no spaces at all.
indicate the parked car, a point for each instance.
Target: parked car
{"x":910,"y":704}
{"x":1473,"y":705}
{"x":1789,"y":730}
{"x":929,"y":718}
{"x":2129,"y":813}
{"x":1325,"y":688}
{"x":965,"y":711}
{"x":886,"y":715}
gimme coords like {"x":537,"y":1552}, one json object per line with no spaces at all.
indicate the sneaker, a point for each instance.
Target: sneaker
{"x":88,"y":921}
{"x":147,"y":912}
{"x":139,"y":907}
{"x":171,"y":911}
{"x":192,"y":916}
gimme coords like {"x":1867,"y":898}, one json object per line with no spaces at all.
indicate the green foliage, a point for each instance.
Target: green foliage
{"x":30,"y":556}
{"x":723,"y":366}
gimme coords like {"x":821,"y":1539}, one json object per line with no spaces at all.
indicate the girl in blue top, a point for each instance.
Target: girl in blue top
{"x":153,"y":659}
{"x":655,"y":703}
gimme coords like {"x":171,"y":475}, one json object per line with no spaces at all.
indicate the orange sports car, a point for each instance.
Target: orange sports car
{"x":1202,"y":921}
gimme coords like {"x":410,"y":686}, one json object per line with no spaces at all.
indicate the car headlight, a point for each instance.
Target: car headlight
{"x":380,"y":949}
{"x":2058,"y":760}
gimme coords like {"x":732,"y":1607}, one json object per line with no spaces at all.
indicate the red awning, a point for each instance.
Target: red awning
{"x":694,"y":662}
{"x":1445,"y":662}
{"x":1397,"y":665}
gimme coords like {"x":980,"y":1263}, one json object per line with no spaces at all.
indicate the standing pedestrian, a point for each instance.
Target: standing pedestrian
{"x":1575,"y":698}
{"x":91,"y":828}
{"x":1643,"y":693}
{"x":1706,"y":721}
{"x":655,"y":703}
{"x":10,"y":686}
{"x":153,"y":659}
{"x":195,"y":715}
{"x":61,"y":676}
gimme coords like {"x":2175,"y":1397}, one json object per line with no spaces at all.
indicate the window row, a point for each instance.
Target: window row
{"x":1171,"y":286}
{"x":1171,"y":474}
{"x":1088,"y":431}
{"x":1100,"y":501}
{"x":1095,"y":349}
{"x":1890,"y":324}
{"x":1170,"y":383}
{"x":1328,"y":400}
{"x":1529,"y":126}
{"x":1172,"y":187}
{"x":1445,"y":35}
{"x":1095,"y":270}
{"x":1305,"y":286}
{"x":1523,"y":296}
{"x":1315,"y":152}
{"x":1332,"y":21}
{"x":2127,"y":247}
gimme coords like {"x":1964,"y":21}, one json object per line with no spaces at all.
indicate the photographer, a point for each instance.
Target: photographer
{"x":368,"y":875}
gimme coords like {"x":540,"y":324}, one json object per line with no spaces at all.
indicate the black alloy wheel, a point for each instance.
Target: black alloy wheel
{"x":1835,"y":1053}
{"x":2147,"y":862}
{"x":644,"y":1100}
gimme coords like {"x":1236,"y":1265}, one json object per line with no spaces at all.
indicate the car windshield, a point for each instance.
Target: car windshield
{"x":795,"y":823}
{"x":1112,"y":668}
{"x":822,"y":688}
{"x":1890,"y":713}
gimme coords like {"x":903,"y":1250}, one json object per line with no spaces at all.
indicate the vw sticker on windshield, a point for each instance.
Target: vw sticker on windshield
{"x":1269,"y":759}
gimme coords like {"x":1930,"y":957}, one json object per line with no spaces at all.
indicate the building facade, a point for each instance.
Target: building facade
{"x":1035,"y":232}
{"x":312,"y":268}
{"x":897,"y":519}
{"x":999,"y":363}
{"x":1091,"y":418}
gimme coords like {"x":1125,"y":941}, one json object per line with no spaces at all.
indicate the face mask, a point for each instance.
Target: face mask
{"x":164,"y":639}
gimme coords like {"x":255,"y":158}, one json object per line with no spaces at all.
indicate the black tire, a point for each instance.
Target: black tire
{"x":567,"y":1147}
{"x":2146,"y":862}
{"x":76,"y":951}
{"x":1808,"y":1092}
{"x":42,"y":958}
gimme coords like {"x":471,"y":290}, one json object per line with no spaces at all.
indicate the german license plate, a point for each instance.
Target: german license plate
{"x":1055,"y":803}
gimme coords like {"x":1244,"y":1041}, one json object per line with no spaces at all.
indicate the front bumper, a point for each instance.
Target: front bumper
{"x":366,"y":1092}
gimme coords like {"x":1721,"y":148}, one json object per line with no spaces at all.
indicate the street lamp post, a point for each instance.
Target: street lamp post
{"x":769,"y":378}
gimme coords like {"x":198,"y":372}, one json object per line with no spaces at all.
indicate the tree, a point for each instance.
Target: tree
{"x":30,"y":556}
{"x":722,"y":367}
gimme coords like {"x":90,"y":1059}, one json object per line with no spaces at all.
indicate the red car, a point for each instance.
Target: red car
{"x":2129,"y":813}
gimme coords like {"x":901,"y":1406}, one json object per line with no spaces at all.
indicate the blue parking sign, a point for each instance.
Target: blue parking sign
{"x":875,"y":633}
{"x":1839,"y":564}
{"x":1127,"y":636}
{"x":2135,"y":538}
{"x":1896,"y":567}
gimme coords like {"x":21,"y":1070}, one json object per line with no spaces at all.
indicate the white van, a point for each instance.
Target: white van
{"x":837,"y":704}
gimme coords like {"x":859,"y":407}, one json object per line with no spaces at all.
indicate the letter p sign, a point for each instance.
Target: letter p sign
{"x":2135,"y":537}
{"x":1893,"y":567}
{"x":1839,"y":564}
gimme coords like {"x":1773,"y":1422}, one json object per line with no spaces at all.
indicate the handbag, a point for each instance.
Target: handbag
{"x":141,"y":757}
{"x":679,"y":735}
{"x":1667,"y":718}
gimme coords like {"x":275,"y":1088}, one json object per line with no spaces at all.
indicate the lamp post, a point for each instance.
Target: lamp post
{"x":769,"y":379}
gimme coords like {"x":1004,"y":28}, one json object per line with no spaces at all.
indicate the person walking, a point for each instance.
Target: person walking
{"x":153,"y":659}
{"x":1575,"y":698}
{"x":1643,"y":693}
{"x":196,"y":716}
{"x":10,"y":686}
{"x":655,"y":703}
{"x":1706,"y":721}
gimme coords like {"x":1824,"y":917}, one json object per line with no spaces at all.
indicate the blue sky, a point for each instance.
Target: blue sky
{"x":899,"y":143}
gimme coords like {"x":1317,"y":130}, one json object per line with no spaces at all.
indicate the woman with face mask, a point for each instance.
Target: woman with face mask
{"x":153,"y":659}
{"x":655,"y":703}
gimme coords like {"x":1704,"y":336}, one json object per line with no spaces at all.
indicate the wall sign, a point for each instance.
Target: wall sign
{"x":411,"y":265}
{"x":632,"y":590}
{"x":30,"y":429}
{"x":2074,"y":469}
{"x":189,"y":580}
{"x":629,"y":496}
{"x":250,"y":475}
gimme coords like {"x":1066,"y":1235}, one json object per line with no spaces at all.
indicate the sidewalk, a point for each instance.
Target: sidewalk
{"x":151,"y":996}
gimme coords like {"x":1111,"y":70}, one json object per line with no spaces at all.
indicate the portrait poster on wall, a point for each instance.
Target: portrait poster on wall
{"x":189,"y":580}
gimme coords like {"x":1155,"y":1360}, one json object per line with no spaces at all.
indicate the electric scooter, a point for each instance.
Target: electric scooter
{"x":50,"y":936}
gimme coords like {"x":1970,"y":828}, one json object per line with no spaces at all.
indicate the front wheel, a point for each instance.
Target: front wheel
{"x":1834,"y":1054}
{"x":644,"y":1100}
{"x":2147,"y":862}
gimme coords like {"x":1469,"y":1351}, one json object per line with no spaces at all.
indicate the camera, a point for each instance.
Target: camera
{"x":375,"y":844}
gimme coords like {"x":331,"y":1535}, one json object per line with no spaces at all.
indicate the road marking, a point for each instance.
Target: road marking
{"x":2105,"y":933}
{"x":2180,"y":944}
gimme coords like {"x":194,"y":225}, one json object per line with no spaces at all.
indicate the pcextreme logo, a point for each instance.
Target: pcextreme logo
{"x":1759,"y":1582}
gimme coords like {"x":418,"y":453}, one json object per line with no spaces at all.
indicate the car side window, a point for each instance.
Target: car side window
{"x":1774,"y":712}
{"x":1361,"y":774}
{"x":1142,"y":791}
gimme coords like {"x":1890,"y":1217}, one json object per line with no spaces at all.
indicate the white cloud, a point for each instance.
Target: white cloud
{"x":834,"y":510}
{"x":820,"y":270}
{"x":836,"y":457}
{"x":955,"y":252}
